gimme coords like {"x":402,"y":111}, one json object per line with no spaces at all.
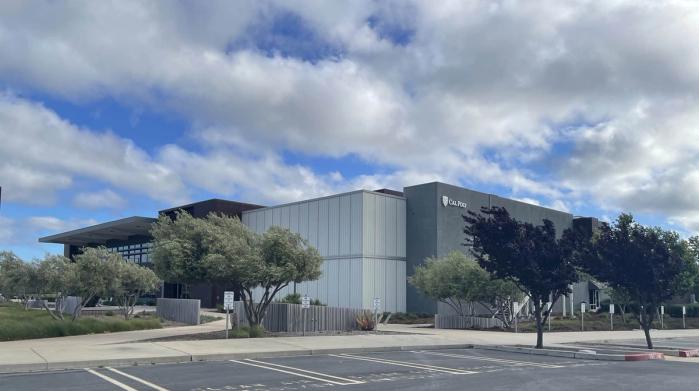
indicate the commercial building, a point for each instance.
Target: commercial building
{"x":371,"y":241}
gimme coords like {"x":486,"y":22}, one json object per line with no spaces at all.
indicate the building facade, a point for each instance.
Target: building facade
{"x":370,"y":241}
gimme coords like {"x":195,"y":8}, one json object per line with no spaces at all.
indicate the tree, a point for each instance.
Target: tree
{"x":267,"y":264}
{"x":649,"y":264}
{"x":56,"y":275}
{"x":179,"y":248}
{"x":17,"y":278}
{"x":622,"y":298}
{"x":531,"y":257}
{"x":97,"y":273}
{"x":133,"y":282}
{"x":460,"y":282}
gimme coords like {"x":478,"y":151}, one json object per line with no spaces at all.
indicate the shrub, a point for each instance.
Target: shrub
{"x":675,"y":310}
{"x":291,"y":298}
{"x":366,"y":321}
{"x":109,"y":313}
{"x":240,"y":332}
{"x":257,"y":331}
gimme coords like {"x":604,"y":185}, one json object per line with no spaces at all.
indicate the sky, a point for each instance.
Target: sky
{"x":110,"y":109}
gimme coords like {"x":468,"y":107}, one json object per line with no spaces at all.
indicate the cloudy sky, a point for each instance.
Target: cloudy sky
{"x":113,"y":109}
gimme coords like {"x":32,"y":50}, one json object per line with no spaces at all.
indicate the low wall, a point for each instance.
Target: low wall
{"x":179,"y":310}
{"x":293,"y":318}
{"x":466,"y":322}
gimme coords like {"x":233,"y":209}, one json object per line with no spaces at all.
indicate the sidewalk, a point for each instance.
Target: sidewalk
{"x":124,"y":348}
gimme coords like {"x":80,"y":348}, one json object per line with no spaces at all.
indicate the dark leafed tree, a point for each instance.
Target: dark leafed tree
{"x":532,"y":257}
{"x":649,"y":264}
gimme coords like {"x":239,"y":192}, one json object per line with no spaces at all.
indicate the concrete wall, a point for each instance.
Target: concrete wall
{"x":361,"y":237}
{"x":435,"y":230}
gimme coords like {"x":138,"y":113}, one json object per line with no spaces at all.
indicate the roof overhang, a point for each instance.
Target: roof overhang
{"x":98,"y":234}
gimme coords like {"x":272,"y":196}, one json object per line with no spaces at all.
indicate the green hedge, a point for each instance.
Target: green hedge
{"x":675,"y":310}
{"x":17,"y":323}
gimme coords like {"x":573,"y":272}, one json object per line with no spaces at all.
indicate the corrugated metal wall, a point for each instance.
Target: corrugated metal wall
{"x":360,"y":235}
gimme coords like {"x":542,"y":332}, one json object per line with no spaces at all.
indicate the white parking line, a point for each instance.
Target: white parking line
{"x":341,"y":381}
{"x":109,"y":379}
{"x":491,"y":359}
{"x":138,"y":379}
{"x":408,"y":364}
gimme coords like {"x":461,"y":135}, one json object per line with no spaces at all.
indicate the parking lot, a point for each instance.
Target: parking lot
{"x":407,"y":370}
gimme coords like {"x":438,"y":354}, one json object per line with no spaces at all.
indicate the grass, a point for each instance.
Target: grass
{"x":600,"y":322}
{"x":17,"y":323}
{"x":411,"y":318}
{"x":207,"y":318}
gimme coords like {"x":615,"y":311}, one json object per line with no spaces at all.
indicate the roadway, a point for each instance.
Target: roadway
{"x":452,"y":369}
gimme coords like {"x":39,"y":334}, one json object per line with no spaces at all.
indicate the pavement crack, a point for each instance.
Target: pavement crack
{"x":40,"y":356}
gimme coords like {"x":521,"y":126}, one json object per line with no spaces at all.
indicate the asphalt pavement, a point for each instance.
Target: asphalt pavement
{"x":446,"y":369}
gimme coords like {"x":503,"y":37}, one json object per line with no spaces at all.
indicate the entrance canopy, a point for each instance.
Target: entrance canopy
{"x":99,"y":234}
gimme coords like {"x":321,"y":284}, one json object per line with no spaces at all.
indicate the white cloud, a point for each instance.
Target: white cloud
{"x":480,"y":92}
{"x":100,"y":199}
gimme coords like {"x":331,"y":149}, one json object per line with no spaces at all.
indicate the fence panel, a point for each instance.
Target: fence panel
{"x":179,"y":310}
{"x":293,"y":318}
{"x":466,"y":322}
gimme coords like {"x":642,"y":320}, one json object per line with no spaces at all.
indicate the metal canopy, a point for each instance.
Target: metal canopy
{"x":101,"y":233}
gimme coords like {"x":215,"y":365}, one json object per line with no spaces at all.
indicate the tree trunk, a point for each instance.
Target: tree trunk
{"x":646,"y":331}
{"x":539,"y":326}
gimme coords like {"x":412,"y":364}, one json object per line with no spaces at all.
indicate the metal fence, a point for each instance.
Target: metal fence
{"x":466,"y":322}
{"x":179,"y":310}
{"x":293,"y":318}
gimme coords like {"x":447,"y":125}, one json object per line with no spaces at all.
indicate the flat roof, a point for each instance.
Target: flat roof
{"x":120,"y":229}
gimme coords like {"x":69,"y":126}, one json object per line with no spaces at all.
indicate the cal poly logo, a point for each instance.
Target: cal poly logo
{"x":446,"y":201}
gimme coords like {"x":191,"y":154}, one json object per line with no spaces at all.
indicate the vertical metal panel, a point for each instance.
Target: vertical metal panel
{"x":269,"y":220}
{"x":334,"y":226}
{"x":245,"y":219}
{"x":294,"y":218}
{"x":303,"y":220}
{"x":345,"y":225}
{"x":323,"y":283}
{"x":367,"y":282}
{"x":323,"y":223}
{"x":391,"y":227}
{"x":400,"y":227}
{"x":277,"y":216}
{"x":390,"y":274}
{"x":313,"y":223}
{"x":344,"y":283}
{"x":333,"y":278}
{"x":260,"y":221}
{"x":285,"y":217}
{"x":380,"y":226}
{"x":356,"y":283}
{"x":356,"y":227}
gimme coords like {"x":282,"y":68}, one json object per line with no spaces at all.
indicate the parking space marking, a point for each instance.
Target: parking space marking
{"x":109,"y":379}
{"x":341,"y":381}
{"x":138,"y":379}
{"x":433,"y":368}
{"x":492,"y":359}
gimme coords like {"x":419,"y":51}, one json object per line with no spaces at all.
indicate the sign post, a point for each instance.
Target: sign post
{"x":515,"y":309}
{"x":548,"y":308}
{"x":582,"y":316}
{"x":662,"y":316}
{"x":228,"y":303}
{"x":684,"y":314}
{"x":377,"y":306}
{"x":305,"y":305}
{"x":611,"y":316}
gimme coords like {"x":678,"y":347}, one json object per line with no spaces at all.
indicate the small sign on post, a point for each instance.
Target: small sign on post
{"x":582,"y":316}
{"x":306,"y":302}
{"x":515,"y":310}
{"x":377,"y":307}
{"x":684,"y":314}
{"x":548,"y":309}
{"x":662,"y":316}
{"x":228,"y":304}
{"x":611,"y":316}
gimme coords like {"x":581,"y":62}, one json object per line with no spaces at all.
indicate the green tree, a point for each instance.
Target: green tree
{"x":460,"y":282}
{"x":650,"y":264}
{"x":179,"y":248}
{"x":531,"y":257}
{"x":97,"y":274}
{"x":56,"y":275}
{"x":267,"y":264}
{"x":133,"y":282}
{"x":17,"y":278}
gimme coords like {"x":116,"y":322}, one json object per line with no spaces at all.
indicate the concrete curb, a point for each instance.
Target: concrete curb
{"x":577,"y":355}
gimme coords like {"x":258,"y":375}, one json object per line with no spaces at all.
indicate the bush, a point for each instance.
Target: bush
{"x":291,"y":298}
{"x":366,"y":321}
{"x":257,"y":332}
{"x":109,"y":313}
{"x":240,"y":332}
{"x":675,"y":310}
{"x":18,"y":323}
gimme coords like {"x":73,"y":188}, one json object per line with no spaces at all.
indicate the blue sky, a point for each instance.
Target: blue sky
{"x":109,"y":110}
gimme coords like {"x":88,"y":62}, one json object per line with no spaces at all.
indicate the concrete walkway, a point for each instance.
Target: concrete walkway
{"x":124,"y":348}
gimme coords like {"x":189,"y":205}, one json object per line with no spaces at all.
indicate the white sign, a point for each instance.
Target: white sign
{"x":228,"y":300}
{"x":446,"y":201}
{"x":582,"y":307}
{"x":306,"y":302}
{"x":611,"y":308}
{"x":377,"y":303}
{"x":662,"y":310}
{"x":684,"y":310}
{"x":515,"y":307}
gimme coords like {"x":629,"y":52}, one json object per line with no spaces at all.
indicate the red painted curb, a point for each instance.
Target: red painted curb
{"x":689,"y":353}
{"x":644,"y":356}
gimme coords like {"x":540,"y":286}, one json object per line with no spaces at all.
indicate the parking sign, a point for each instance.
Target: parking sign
{"x":306,"y":302}
{"x":228,"y":300}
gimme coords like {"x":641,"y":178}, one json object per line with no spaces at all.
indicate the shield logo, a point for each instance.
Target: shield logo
{"x":445,"y":200}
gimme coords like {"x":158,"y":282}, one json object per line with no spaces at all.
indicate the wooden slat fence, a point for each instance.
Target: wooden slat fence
{"x":179,"y":310}
{"x":466,"y":322}
{"x":292,"y":318}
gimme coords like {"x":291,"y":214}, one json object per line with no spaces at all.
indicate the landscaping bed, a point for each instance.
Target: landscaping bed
{"x":600,"y":322}
{"x":244,"y":332}
{"x":17,"y":323}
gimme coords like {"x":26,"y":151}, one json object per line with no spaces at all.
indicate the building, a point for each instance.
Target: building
{"x":371,"y":241}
